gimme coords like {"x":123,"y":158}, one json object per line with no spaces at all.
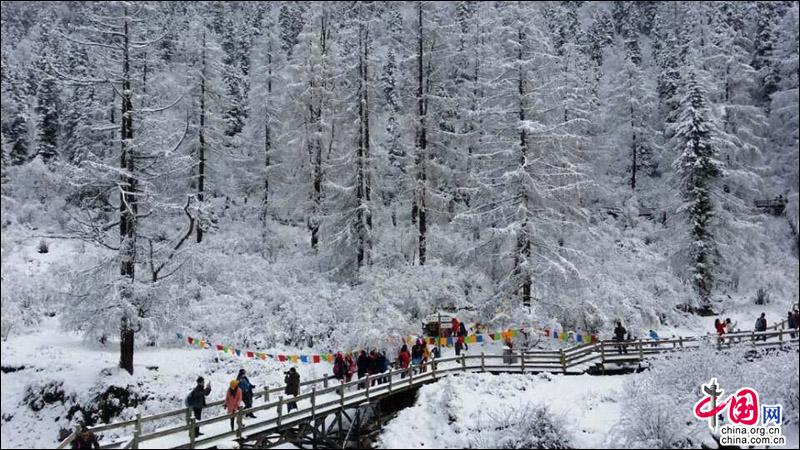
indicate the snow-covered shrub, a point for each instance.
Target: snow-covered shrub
{"x":657,"y":405}
{"x":526,"y":426}
{"x":762,"y":296}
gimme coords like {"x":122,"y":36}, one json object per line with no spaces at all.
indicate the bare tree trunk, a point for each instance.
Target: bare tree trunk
{"x":267,"y":133}
{"x":316,"y":145}
{"x":523,"y":241}
{"x":201,"y":168}
{"x":363,"y":214}
{"x":633,"y":153}
{"x":419,"y":210}
{"x":128,"y":208}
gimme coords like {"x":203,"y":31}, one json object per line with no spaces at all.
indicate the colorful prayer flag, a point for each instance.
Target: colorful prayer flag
{"x":263,"y":357}
{"x":329,"y":356}
{"x":180,"y":336}
{"x":316,"y":359}
{"x":304,"y":358}
{"x":190,"y":340}
{"x":250,"y":354}
{"x":282,"y":358}
{"x":238,"y":352}
{"x":220,"y":347}
{"x":480,"y":338}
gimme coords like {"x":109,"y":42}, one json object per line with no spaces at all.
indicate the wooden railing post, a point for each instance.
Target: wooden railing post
{"x":463,"y":363}
{"x":410,"y":376}
{"x":280,"y":409}
{"x":192,"y":423}
{"x":680,"y":341}
{"x":433,"y":369}
{"x":266,"y":394}
{"x":341,"y":394}
{"x":390,"y":379}
{"x":137,"y":431}
{"x":563,"y":359}
{"x":313,"y":403}
{"x":522,"y":359}
{"x":641,"y":351}
{"x":239,"y":424}
{"x":483,"y":365}
{"x":367,"y":388}
{"x":602,"y":351}
{"x":325,"y":382}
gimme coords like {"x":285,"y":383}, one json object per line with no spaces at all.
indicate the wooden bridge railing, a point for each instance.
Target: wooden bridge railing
{"x":573,"y":360}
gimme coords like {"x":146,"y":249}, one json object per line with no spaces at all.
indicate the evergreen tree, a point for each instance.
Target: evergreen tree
{"x":698,"y":171}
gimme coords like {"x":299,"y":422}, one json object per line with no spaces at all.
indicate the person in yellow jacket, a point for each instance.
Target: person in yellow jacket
{"x":426,"y":356}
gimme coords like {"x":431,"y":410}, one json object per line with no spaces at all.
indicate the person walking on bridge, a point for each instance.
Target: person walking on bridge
{"x":233,"y":399}
{"x":339,"y":368}
{"x":619,"y":336}
{"x":416,"y":353}
{"x":404,"y":359}
{"x":197,"y":401}
{"x":791,"y":322}
{"x":462,"y":333}
{"x":761,"y":325}
{"x":350,"y":363}
{"x":362,"y":366}
{"x":426,"y":356}
{"x":85,"y":439}
{"x":247,"y":391}
{"x":292,"y":380}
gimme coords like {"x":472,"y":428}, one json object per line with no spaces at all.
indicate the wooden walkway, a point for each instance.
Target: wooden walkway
{"x":324,"y":400}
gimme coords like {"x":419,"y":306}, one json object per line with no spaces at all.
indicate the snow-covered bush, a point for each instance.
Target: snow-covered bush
{"x":525,"y":426}
{"x":657,"y":405}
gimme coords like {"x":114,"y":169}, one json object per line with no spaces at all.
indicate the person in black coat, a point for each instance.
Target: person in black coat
{"x":197,"y":401}
{"x":362,"y":366}
{"x":619,"y":336}
{"x":292,"y":380}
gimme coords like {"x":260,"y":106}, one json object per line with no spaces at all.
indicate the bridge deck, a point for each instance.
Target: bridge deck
{"x":172,"y":429}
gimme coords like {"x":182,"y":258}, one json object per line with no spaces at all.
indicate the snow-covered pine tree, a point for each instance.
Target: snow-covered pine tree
{"x":529,"y":163}
{"x":629,"y":111}
{"x":137,"y":172}
{"x":698,"y":171}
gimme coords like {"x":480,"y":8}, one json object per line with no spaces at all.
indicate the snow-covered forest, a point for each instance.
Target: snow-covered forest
{"x":322,"y":175}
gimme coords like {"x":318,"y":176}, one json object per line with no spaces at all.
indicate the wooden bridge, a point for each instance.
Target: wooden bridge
{"x":773,"y":206}
{"x":326,"y":407}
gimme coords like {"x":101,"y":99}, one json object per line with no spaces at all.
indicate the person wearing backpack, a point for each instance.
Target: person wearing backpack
{"x":197,"y":401}
{"x":247,"y":391}
{"x":462,"y":332}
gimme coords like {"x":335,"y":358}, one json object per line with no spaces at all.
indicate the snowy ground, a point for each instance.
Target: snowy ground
{"x":461,"y":411}
{"x":165,"y":375}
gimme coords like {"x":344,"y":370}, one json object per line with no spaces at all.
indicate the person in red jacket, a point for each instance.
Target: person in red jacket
{"x":404,"y":358}
{"x":454,"y":327}
{"x":719,"y":326}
